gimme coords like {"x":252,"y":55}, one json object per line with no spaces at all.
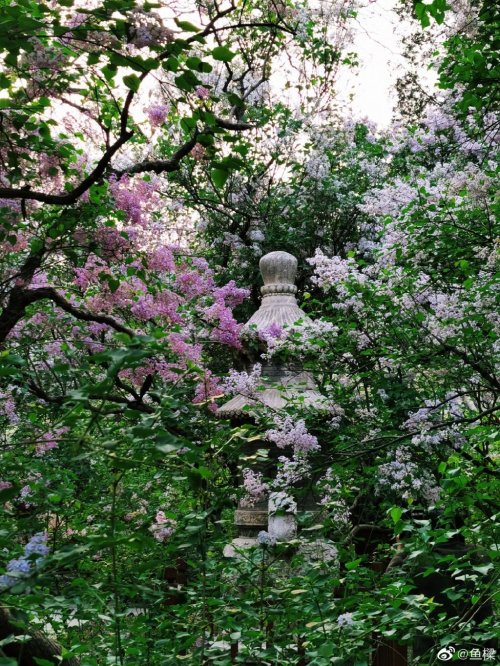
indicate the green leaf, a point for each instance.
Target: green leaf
{"x":396,"y":514}
{"x":186,"y":81}
{"x":171,"y":64}
{"x":421,"y":12}
{"x":109,"y":72}
{"x":132,"y":81}
{"x":8,"y":493}
{"x":219,"y":177}
{"x":223,"y":54}
{"x":326,"y":650}
{"x":198,"y":65}
{"x":187,"y":26}
{"x":352,"y":565}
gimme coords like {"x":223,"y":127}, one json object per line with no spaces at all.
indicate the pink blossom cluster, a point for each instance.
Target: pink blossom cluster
{"x":50,"y":440}
{"x":163,"y":527}
{"x":254,"y":486}
{"x":137,"y":197}
{"x":293,"y":434}
{"x":208,"y":390}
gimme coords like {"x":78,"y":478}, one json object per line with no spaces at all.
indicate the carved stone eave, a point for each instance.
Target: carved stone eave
{"x":281,"y":310}
{"x":273,"y":398}
{"x":285,"y":387}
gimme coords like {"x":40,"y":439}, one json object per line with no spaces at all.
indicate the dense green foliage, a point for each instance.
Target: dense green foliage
{"x":148,"y":158}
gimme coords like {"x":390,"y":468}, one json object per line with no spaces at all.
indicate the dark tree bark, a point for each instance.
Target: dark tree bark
{"x":39,"y":646}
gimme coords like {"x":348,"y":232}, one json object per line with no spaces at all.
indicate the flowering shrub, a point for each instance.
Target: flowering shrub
{"x":149,"y":155}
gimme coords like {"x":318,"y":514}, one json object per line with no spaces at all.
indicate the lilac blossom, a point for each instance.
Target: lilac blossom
{"x":292,"y":433}
{"x":147,"y":29}
{"x":157,"y":114}
{"x":345,"y":620}
{"x":334,"y":272}
{"x":333,"y":500}
{"x":300,"y":339}
{"x":49,"y":440}
{"x":409,"y":481}
{"x":254,"y":486}
{"x":8,"y":407}
{"x":265,"y":539}
{"x":163,"y":527}
{"x":243,"y":383}
{"x":282,"y":502}
{"x":208,"y":390}
{"x":202,"y":92}
{"x":291,"y":471}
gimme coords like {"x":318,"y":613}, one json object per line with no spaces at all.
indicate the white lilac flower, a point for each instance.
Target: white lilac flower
{"x":345,"y":620}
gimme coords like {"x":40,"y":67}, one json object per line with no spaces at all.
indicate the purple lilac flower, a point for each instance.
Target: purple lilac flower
{"x":292,"y":433}
{"x":23,"y":566}
{"x":157,"y":114}
{"x":202,"y":92}
{"x":265,"y":539}
{"x":37,"y":544}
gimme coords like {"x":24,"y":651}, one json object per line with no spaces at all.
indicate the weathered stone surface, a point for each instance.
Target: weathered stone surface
{"x":250,"y":518}
{"x":279,"y":305}
{"x":282,"y":527}
{"x":240,"y":543}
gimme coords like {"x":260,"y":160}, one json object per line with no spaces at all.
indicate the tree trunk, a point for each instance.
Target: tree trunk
{"x":38,"y":646}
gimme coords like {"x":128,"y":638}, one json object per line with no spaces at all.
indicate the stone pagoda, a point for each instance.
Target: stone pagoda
{"x":280,"y":385}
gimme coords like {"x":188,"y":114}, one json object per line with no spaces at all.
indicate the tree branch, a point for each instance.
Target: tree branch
{"x":69,"y":197}
{"x":20,"y":299}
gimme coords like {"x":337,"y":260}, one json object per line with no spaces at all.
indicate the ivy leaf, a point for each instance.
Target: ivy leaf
{"x":223,"y":54}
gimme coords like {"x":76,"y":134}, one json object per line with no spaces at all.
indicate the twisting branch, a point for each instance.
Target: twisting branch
{"x":21,"y":298}
{"x":162,"y":166}
{"x":70,"y":197}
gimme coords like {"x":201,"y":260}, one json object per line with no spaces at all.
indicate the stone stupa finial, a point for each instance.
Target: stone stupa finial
{"x":278,"y":270}
{"x":278,"y":309}
{"x":279,"y":305}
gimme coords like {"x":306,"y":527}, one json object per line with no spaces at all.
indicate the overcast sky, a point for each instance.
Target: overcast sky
{"x":378,"y":43}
